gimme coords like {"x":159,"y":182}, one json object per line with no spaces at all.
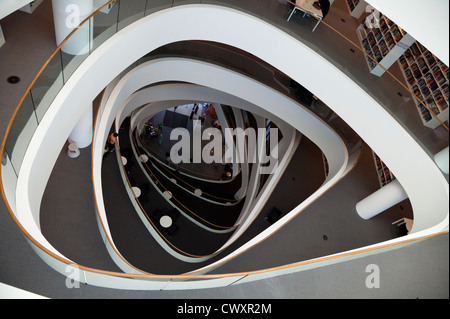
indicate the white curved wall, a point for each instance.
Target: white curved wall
{"x":411,"y":165}
{"x":122,"y":101}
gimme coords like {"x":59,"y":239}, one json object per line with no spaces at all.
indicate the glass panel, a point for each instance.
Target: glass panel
{"x":220,"y":2}
{"x":182,"y":2}
{"x":77,"y":48}
{"x":105,"y":24}
{"x":156,"y":5}
{"x":130,"y":11}
{"x":47,"y":85}
{"x":21,"y":132}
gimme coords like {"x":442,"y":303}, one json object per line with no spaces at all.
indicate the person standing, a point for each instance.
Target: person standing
{"x":110,"y":144}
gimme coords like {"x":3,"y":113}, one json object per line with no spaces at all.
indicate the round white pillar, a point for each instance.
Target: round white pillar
{"x":67,"y":15}
{"x":442,"y":160}
{"x":82,"y":133}
{"x":386,"y":197}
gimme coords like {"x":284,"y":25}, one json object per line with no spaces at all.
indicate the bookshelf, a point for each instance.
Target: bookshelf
{"x":356,"y":7}
{"x":385,"y":176}
{"x":2,"y":37}
{"x":385,"y":44}
{"x":427,"y":78}
{"x":325,"y":165}
{"x":108,"y":8}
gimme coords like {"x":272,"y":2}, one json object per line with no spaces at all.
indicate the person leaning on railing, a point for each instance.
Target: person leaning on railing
{"x":110,"y":144}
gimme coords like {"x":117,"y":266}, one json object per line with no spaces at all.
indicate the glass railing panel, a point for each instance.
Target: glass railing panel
{"x":184,"y":283}
{"x":265,"y":10}
{"x":105,"y":24}
{"x":157,"y":5}
{"x":130,"y":11}
{"x":183,"y":2}
{"x":47,"y":85}
{"x":222,"y":3}
{"x":76,"y":49}
{"x":21,"y":131}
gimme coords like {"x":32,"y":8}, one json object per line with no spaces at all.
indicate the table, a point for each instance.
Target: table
{"x":136,"y":190}
{"x":165,"y":221}
{"x":307,"y":7}
{"x":144,"y":158}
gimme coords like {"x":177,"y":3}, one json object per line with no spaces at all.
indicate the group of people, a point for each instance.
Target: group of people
{"x":149,"y":130}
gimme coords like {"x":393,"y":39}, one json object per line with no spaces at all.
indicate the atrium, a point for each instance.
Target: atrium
{"x":330,"y":168}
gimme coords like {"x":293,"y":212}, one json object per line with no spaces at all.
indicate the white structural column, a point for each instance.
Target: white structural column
{"x":384,"y":198}
{"x":68,"y":14}
{"x":442,"y":160}
{"x":82,"y":133}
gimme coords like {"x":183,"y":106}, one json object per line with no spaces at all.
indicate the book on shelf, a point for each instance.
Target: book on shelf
{"x":416,"y":71}
{"x":438,"y":75}
{"x":422,"y":65}
{"x":385,"y":176}
{"x":385,"y":44}
{"x":427,"y":78}
{"x":445,"y":91}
